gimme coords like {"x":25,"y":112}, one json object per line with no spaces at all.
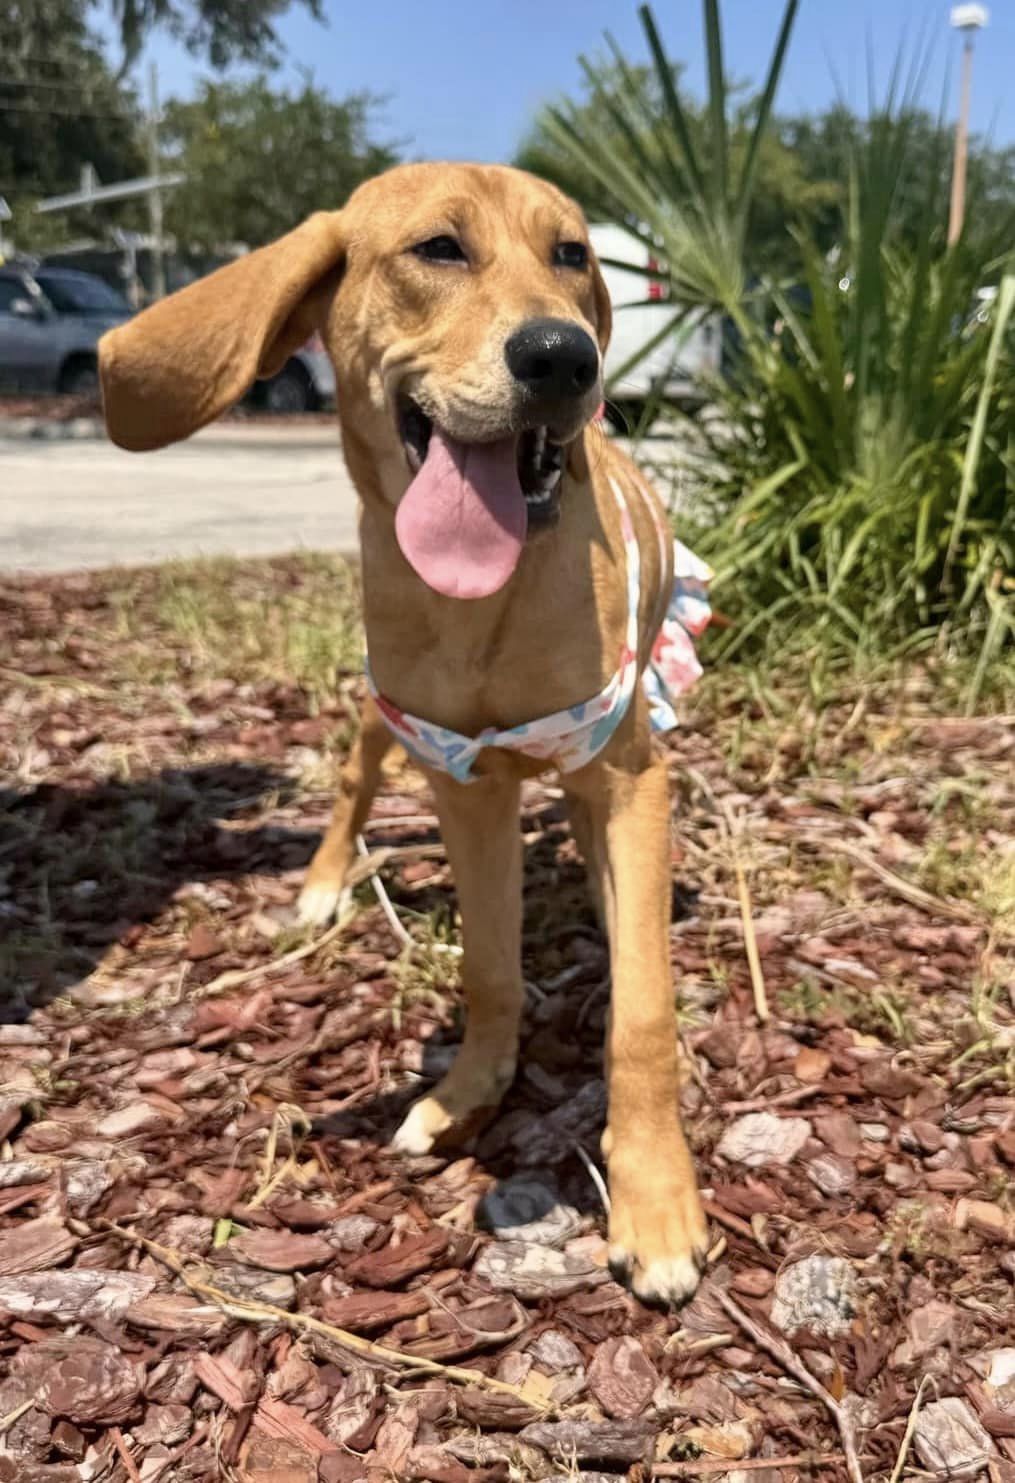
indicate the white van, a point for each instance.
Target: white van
{"x":679,"y":365}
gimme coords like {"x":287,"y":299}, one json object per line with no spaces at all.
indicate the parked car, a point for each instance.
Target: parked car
{"x":305,"y":383}
{"x":51,"y":320}
{"x":681,"y":364}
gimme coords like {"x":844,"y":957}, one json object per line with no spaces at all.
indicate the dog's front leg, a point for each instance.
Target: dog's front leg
{"x":658,"y":1233}
{"x":479,"y":824}
{"x":324,"y":887}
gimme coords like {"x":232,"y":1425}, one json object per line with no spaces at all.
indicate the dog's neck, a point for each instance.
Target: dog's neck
{"x":548,"y":639}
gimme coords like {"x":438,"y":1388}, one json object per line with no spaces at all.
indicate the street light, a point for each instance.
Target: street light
{"x":968,"y":19}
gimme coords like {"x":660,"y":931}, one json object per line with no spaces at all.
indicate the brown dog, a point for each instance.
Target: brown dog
{"x":466,"y":319}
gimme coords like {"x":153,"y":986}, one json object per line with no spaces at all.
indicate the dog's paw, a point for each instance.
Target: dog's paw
{"x":658,"y":1235}
{"x":320,"y":903}
{"x":459,"y":1105}
{"x":425,"y":1123}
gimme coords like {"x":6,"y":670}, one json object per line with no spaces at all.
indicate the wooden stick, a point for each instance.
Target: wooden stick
{"x":248,"y":1311}
{"x":725,"y":1218}
{"x":705,"y":1467}
{"x":731,"y":829}
{"x":907,"y":1436}
{"x":121,"y":1446}
{"x":940,"y":906}
{"x":6,"y":1422}
{"x":236,"y":976}
{"x":781,"y":1099}
{"x":780,"y":1351}
{"x":747,"y":918}
{"x":383,"y":898}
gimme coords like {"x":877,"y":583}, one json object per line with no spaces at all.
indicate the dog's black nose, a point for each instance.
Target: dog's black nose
{"x":553,"y":358}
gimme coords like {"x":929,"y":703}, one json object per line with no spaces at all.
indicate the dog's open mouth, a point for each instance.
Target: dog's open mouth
{"x":539,"y":461}
{"x":465,"y":517}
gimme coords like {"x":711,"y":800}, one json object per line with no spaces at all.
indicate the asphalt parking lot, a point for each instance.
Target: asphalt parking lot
{"x":232,"y":490}
{"x":236,"y":489}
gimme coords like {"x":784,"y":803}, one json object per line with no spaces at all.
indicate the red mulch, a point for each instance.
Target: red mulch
{"x":174,"y":1072}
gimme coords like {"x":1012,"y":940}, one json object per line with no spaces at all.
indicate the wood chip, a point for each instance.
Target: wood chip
{"x":626,"y":1442}
{"x":622,"y":1378}
{"x":71,"y":1296}
{"x":534,"y":1272}
{"x":281,"y":1251}
{"x":35,"y":1246}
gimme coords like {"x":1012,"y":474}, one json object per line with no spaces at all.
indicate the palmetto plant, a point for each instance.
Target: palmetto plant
{"x":862,"y":468}
{"x":869,"y":477}
{"x":687,"y":198}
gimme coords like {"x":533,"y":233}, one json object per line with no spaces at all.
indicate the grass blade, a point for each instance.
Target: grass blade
{"x":765,"y":105}
{"x":674,"y":107}
{"x":717,"y":108}
{"x":974,"y":448}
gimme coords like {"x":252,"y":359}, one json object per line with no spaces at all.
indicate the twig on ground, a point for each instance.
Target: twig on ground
{"x":724,"y":1218}
{"x":287,"y":1118}
{"x":595,"y":1176}
{"x":385,"y":900}
{"x":402,"y":821}
{"x":675,"y":1344}
{"x":234,"y":977}
{"x":781,"y":1099}
{"x":780,"y":1351}
{"x":731,"y":829}
{"x":706,"y":1466}
{"x":907,"y":1436}
{"x":195,"y":1439}
{"x":128,"y":1462}
{"x":6,"y":1422}
{"x":941,"y":906}
{"x":66,"y":682}
{"x":746,"y":916}
{"x":248,"y":1311}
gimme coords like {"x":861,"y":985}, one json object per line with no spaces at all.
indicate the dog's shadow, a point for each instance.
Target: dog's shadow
{"x":81,"y":867}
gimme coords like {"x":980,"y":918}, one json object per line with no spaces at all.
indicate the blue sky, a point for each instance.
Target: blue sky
{"x":462,"y":80}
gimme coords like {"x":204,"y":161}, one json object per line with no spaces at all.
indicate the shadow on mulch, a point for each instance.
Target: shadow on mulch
{"x":91,"y":866}
{"x":557,"y":1102}
{"x":86,"y":866}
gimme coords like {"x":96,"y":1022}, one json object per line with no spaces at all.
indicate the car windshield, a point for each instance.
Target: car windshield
{"x":80,"y":294}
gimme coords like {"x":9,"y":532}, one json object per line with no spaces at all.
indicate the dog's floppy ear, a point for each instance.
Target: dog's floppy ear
{"x":185,"y":360}
{"x":604,"y":309}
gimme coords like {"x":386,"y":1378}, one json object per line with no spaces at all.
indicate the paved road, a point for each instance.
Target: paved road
{"x":230,"y":490}
{"x":233,"y":490}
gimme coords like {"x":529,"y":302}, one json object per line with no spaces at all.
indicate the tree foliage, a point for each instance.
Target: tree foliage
{"x":225,"y":31}
{"x":803,"y":165}
{"x":61,"y":106}
{"x":258,"y":161}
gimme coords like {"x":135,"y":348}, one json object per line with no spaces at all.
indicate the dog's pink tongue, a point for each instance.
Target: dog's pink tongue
{"x":461,"y":523}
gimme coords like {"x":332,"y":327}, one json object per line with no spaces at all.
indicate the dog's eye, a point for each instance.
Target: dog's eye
{"x":440,"y":250}
{"x":570,"y":255}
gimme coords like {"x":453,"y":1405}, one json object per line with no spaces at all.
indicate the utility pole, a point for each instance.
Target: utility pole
{"x":968,"y":19}
{"x":5,"y":215}
{"x":155,"y":194}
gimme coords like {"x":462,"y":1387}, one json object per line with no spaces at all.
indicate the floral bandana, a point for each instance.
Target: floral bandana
{"x":570,"y":738}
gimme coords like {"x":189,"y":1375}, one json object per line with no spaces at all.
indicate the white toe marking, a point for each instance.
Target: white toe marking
{"x":412,"y":1137}
{"x":672,"y":1280}
{"x":317,"y":905}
